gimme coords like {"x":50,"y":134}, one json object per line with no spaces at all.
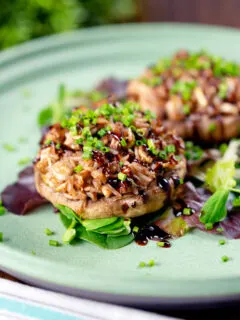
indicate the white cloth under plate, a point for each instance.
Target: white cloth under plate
{"x":22,"y":302}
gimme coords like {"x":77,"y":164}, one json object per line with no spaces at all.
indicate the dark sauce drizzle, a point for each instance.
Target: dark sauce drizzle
{"x":152,"y":232}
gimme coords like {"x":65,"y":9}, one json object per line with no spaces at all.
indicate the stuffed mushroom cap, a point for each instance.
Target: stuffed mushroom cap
{"x":196,"y":94}
{"x":112,"y":161}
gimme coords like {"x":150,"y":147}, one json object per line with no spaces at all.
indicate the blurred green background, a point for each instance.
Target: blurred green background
{"x":22,"y":20}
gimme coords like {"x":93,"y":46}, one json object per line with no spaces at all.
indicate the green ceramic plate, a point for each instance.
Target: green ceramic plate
{"x":191,"y":272}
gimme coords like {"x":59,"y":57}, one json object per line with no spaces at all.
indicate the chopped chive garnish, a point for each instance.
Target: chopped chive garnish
{"x":151,"y":263}
{"x":225,"y":258}
{"x":47,"y":142}
{"x":135,"y":229}
{"x":163,"y":155}
{"x":33,"y":253}
{"x":24,"y":161}
{"x":142,"y":264}
{"x":102,"y":132}
{"x":9,"y":147}
{"x":187,"y":211}
{"x":69,"y":235}
{"x":105,"y":149}
{"x":223,"y":90}
{"x":140,"y":132}
{"x":209,"y":226}
{"x":54,"y":243}
{"x":152,"y":82}
{"x":170,"y":148}
{"x":1,"y":236}
{"x":78,"y":168}
{"x":183,"y":88}
{"x":2,"y":210}
{"x":186,"y":109}
{"x":223,"y":148}
{"x":87,"y":155}
{"x":58,"y":146}
{"x":122,"y":176}
{"x":219,"y":229}
{"x":121,"y":164}
{"x":48,"y":232}
{"x":222,"y":242}
{"x":123,"y":142}
{"x":212,"y":127}
{"x":139,"y":142}
{"x":181,"y":181}
{"x":160,"y":244}
{"x":236,"y":202}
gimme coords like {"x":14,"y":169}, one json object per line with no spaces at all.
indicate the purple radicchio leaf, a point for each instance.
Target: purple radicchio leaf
{"x":22,"y":196}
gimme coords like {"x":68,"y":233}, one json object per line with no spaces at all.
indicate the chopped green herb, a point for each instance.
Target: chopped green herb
{"x":135,"y":229}
{"x":208,"y":226}
{"x":123,"y":142}
{"x":2,"y":210}
{"x":105,"y":149}
{"x":121,"y":164}
{"x":9,"y":147}
{"x":149,"y":115}
{"x":122,"y":176}
{"x":161,"y":66}
{"x":151,"y":263}
{"x":187,"y":211}
{"x":1,"y":236}
{"x":152,"y":147}
{"x":170,"y":148}
{"x":223,"y":147}
{"x":48,"y":142}
{"x":24,"y":161}
{"x":181,"y":181}
{"x":58,"y":146}
{"x":140,"y":132}
{"x":152,"y":82}
{"x":183,"y":88}
{"x":222,"y":242}
{"x":162,"y":154}
{"x":139,"y":143}
{"x":102,"y":132}
{"x":193,"y":152}
{"x":212,"y":127}
{"x":186,"y":109}
{"x":219,"y":229}
{"x":53,"y":243}
{"x":69,"y":235}
{"x":48,"y":232}
{"x":33,"y":253}
{"x":142,"y":264}
{"x":223,"y":90}
{"x":225,"y":258}
{"x":78,"y":168}
{"x":160,"y":244}
{"x":236,"y":202}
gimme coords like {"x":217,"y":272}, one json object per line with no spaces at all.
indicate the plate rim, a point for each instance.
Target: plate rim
{"x":16,"y":53}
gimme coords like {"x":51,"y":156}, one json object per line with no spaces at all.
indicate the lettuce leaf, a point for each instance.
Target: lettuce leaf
{"x":108,"y":233}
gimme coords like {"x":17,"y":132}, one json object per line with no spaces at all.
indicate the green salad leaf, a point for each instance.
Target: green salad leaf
{"x":221,"y":175}
{"x":214,"y":209}
{"x":220,"y":180}
{"x":108,"y":233}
